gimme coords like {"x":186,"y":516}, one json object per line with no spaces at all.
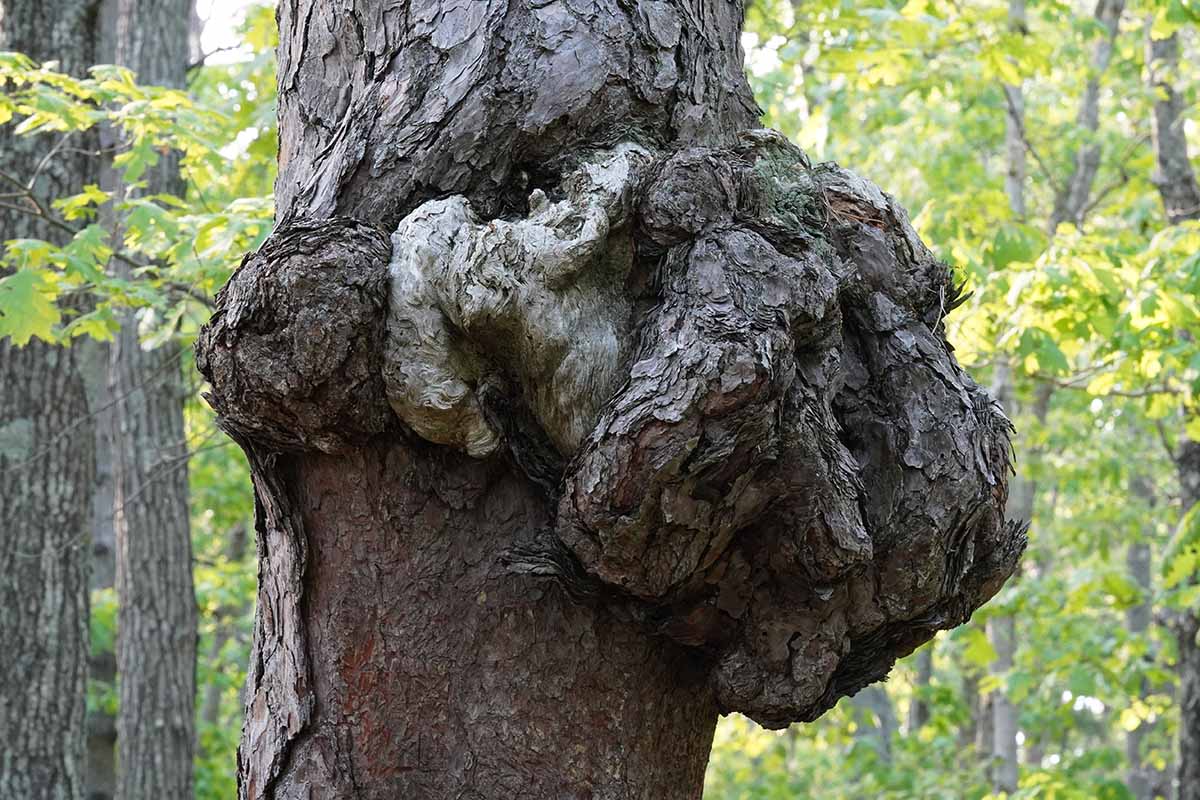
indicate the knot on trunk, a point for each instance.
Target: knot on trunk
{"x":294,"y":349}
{"x":727,"y":366}
{"x":796,"y":475}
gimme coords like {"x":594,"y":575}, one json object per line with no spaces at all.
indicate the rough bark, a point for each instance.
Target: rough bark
{"x":877,"y":722}
{"x":644,"y":419}
{"x":156,"y":635}
{"x":1005,"y":767}
{"x":1185,"y":625}
{"x":1071,"y":200}
{"x":46,"y":468}
{"x":918,"y":710}
{"x":1180,"y":193}
{"x":1173,"y":173}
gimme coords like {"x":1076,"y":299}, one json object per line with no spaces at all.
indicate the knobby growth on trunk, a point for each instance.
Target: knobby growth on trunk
{"x":580,"y":410}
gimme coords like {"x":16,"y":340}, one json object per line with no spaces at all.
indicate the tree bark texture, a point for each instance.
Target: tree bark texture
{"x":46,"y":468}
{"x":156,"y":634}
{"x":642,"y":418}
{"x":1173,"y":175}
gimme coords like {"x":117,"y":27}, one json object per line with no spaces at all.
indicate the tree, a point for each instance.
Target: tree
{"x":653,"y":420}
{"x":156,"y":633}
{"x":1180,"y":193}
{"x":46,"y":456}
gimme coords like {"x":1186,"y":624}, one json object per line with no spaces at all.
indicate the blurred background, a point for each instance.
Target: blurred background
{"x":1042,"y":150}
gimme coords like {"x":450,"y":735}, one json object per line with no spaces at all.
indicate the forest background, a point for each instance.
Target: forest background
{"x":1033,"y":143}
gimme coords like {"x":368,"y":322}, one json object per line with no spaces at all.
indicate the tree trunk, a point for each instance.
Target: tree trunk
{"x":1005,"y":771}
{"x":1071,"y":200}
{"x":1185,"y":625}
{"x":1141,"y":777}
{"x":633,"y":426}
{"x":46,"y":468}
{"x":1005,"y":767}
{"x":1180,"y":194}
{"x":156,"y":637}
{"x":918,"y":711}
{"x":1173,"y":173}
{"x":876,"y":720}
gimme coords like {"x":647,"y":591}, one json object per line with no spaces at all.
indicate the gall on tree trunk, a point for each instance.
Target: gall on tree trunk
{"x":580,"y":411}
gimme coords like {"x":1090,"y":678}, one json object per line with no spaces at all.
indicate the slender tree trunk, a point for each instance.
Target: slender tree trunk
{"x":1005,"y":770}
{"x":1071,"y":201}
{"x":46,"y":468}
{"x":1005,"y":766}
{"x":568,"y":465}
{"x":210,"y":707}
{"x":918,"y":712}
{"x":1173,"y":174}
{"x":1185,"y":625}
{"x":156,"y":639}
{"x":1141,"y":777}
{"x":1180,"y":194}
{"x":877,"y":720}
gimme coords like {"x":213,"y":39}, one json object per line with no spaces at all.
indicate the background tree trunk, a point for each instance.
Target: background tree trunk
{"x":1071,"y":199}
{"x":918,"y":711}
{"x":1180,"y":194}
{"x":1005,"y":769}
{"x":46,"y":467}
{"x":876,"y":719}
{"x":156,"y":636}
{"x":1141,"y":777}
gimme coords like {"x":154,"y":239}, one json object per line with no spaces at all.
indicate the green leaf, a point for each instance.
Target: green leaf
{"x":27,"y":306}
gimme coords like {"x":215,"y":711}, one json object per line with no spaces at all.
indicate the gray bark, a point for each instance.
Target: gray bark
{"x":1185,"y":625}
{"x":877,"y":722}
{"x":156,"y":638}
{"x":46,"y":469}
{"x":1071,"y":201}
{"x":918,"y":711}
{"x":1014,"y":125}
{"x":1180,"y":194}
{"x":645,"y":419}
{"x":1005,"y":771}
{"x":1005,"y":767}
{"x":1173,"y":173}
{"x":1141,"y":777}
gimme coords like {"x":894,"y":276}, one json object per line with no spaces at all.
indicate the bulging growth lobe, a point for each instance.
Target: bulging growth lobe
{"x":727,"y":368}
